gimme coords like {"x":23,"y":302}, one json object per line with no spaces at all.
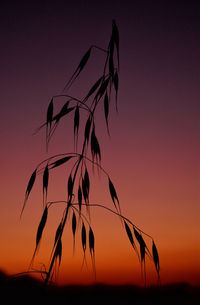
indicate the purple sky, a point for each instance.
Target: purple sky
{"x":155,"y":136}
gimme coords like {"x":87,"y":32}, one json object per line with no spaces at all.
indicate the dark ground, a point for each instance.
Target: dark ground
{"x":26,"y":290}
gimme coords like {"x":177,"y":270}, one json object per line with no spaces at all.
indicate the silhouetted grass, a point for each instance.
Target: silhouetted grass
{"x":103,"y":91}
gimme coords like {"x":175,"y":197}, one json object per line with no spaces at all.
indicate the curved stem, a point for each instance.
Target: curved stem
{"x":55,"y":156}
{"x":116,"y":213}
{"x":73,"y":99}
{"x":99,"y":48}
{"x":26,"y":272}
{"x":103,"y":207}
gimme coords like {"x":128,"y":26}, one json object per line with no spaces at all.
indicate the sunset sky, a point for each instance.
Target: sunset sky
{"x":152,"y":155}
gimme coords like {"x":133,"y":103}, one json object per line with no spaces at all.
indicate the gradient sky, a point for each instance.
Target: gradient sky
{"x":153,"y":153}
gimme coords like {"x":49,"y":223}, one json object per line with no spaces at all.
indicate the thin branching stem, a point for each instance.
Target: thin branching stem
{"x":66,"y":214}
{"x":100,"y":92}
{"x":73,"y":154}
{"x":103,"y":207}
{"x":72,"y":98}
{"x":26,"y":272}
{"x":99,"y":48}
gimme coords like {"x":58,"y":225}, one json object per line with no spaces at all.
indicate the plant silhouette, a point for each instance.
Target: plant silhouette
{"x":79,"y":177}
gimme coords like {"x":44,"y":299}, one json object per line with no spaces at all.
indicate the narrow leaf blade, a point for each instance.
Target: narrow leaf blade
{"x":62,"y":113}
{"x":87,"y":180}
{"x":70,"y":187}
{"x":113,"y":193}
{"x":139,"y":237}
{"x":76,"y":125}
{"x":50,"y":113}
{"x":76,"y":120}
{"x":73,"y":229}
{"x":45,"y":182}
{"x":85,"y":193}
{"x":95,"y":147}
{"x":87,"y":129}
{"x":155,"y":257}
{"x":59,"y":250}
{"x":31,"y":183}
{"x":102,"y":88}
{"x":29,"y":188}
{"x":58,"y":232}
{"x":84,"y":61}
{"x":129,"y":234}
{"x":83,"y":237}
{"x":141,"y":243}
{"x":79,"y":198}
{"x":74,"y":224}
{"x":116,"y":39}
{"x":91,"y":241}
{"x":94,"y":87}
{"x":41,"y":226}
{"x":60,"y":161}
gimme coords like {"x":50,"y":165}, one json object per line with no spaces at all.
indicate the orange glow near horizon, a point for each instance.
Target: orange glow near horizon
{"x":157,"y":200}
{"x":116,"y":262}
{"x":151,"y":156}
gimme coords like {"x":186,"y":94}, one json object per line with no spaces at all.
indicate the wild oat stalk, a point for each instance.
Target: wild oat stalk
{"x":78,"y":180}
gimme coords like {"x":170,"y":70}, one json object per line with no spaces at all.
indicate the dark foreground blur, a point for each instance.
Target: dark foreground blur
{"x":26,"y":290}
